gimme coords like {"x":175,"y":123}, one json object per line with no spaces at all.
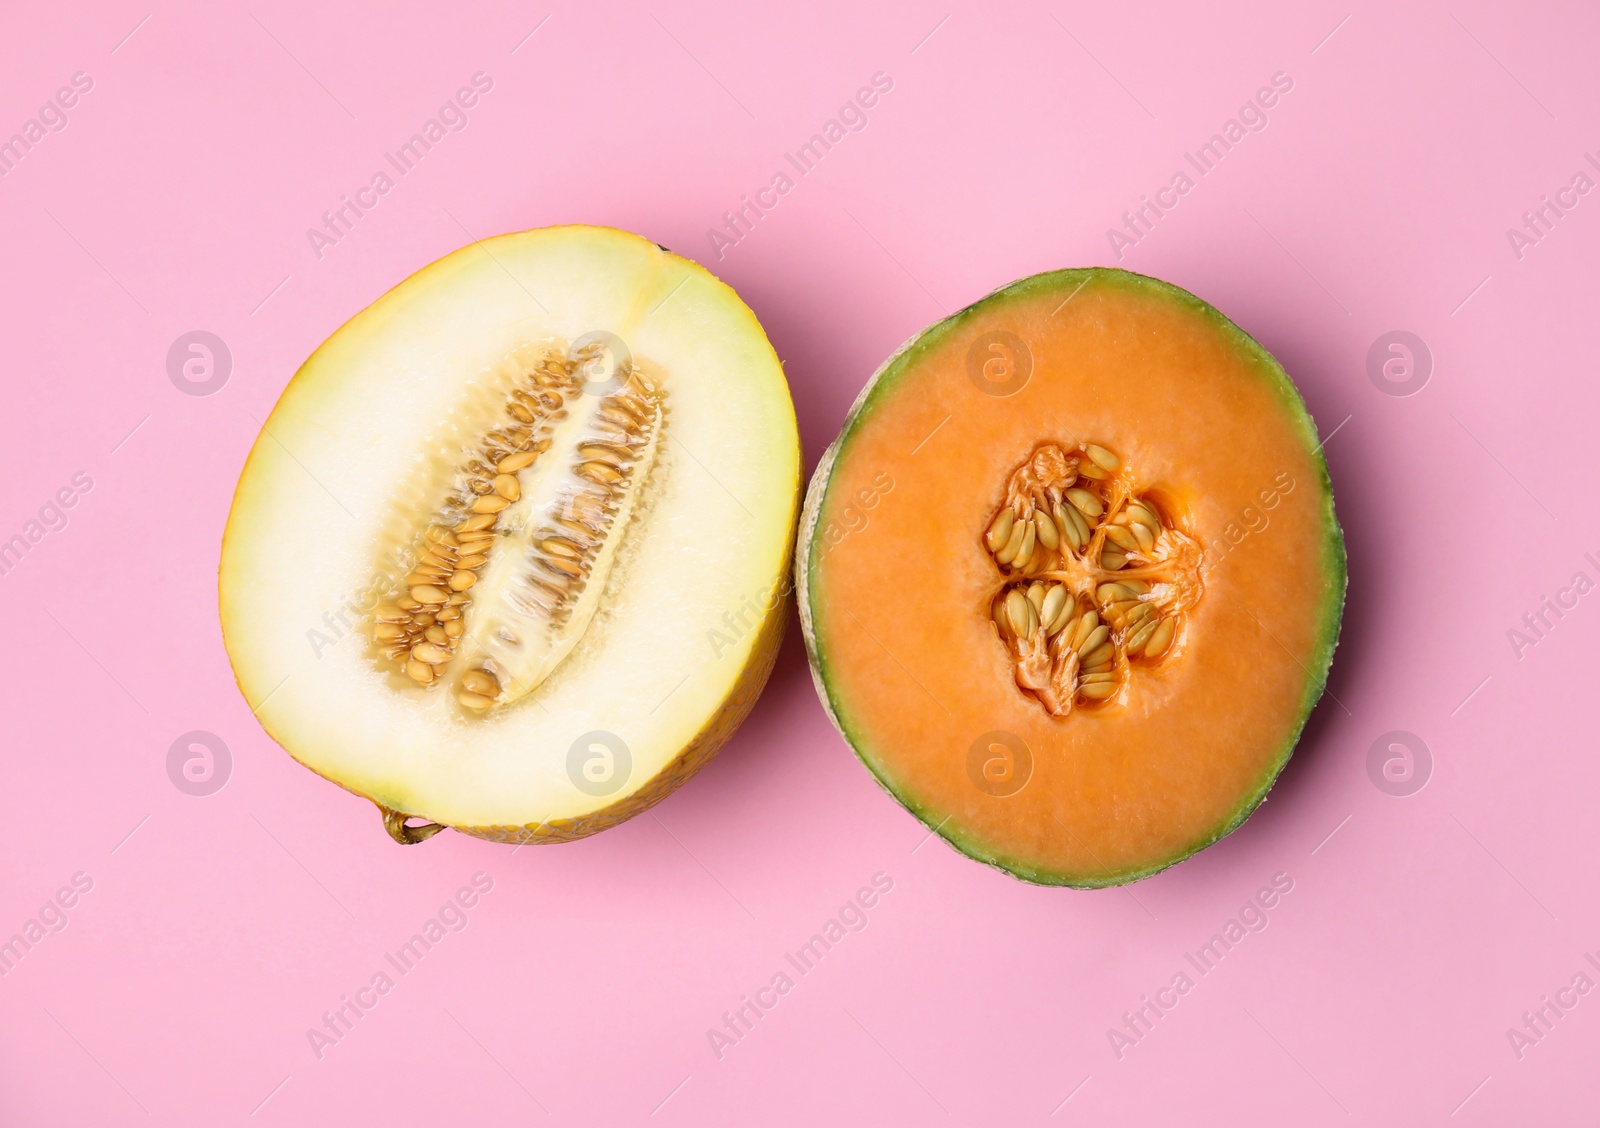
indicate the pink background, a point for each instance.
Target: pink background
{"x":220,"y":928}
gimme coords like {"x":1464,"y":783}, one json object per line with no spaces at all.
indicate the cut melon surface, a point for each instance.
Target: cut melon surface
{"x":1080,"y":632}
{"x":510,"y":553}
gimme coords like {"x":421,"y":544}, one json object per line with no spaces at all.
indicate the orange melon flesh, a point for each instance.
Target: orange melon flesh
{"x":896,"y":593}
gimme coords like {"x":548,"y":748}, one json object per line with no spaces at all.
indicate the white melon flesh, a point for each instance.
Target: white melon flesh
{"x":362,"y":450}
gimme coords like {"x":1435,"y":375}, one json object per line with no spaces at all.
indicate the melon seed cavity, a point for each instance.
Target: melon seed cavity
{"x":511,"y":565}
{"x":1097,"y":580}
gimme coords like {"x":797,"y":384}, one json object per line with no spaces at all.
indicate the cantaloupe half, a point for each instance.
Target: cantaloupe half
{"x":511,"y":553}
{"x":1071,"y":578}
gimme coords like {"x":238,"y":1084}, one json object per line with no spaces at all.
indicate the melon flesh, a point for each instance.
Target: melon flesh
{"x":900,"y":608}
{"x":353,"y":462}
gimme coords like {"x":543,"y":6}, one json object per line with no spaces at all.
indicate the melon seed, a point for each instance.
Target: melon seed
{"x":514,"y":462}
{"x":1047,"y":530}
{"x":1103,"y":457}
{"x":1053,"y":607}
{"x":1144,"y":514}
{"x":1000,"y":530}
{"x":1161,"y":639}
{"x":614,"y":453}
{"x":1091,"y":645}
{"x":602,"y":472}
{"x":1072,"y":525}
{"x":1085,"y":502}
{"x":1141,"y":635}
{"x":1019,"y":612}
{"x":429,"y":653}
{"x":1030,"y":536}
{"x":1013,"y":545}
{"x":1122,"y":538}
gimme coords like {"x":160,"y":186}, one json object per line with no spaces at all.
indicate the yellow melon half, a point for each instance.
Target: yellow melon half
{"x":510,"y":553}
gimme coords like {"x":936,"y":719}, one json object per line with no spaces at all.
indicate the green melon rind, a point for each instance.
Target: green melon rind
{"x":882,"y":384}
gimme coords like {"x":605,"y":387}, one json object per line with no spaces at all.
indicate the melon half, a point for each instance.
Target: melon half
{"x":1070,"y":577}
{"x":510,"y":554}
